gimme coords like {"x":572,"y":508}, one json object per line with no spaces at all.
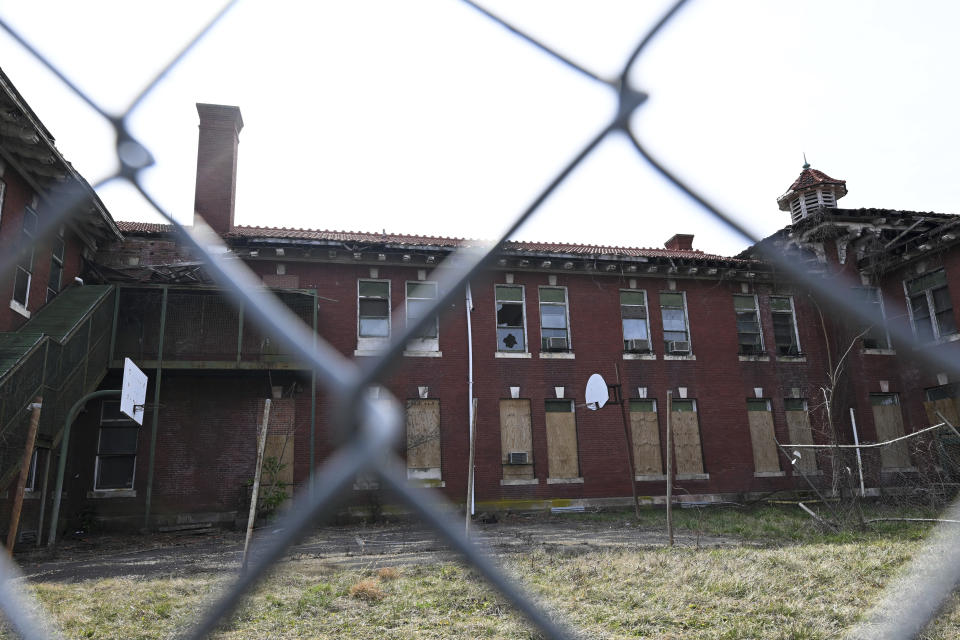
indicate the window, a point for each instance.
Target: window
{"x":420,"y":297}
{"x":373,"y":309}
{"x":784,"y":326}
{"x":633,"y":316}
{"x":116,"y":449}
{"x":760,"y":419}
{"x":930,"y":307}
{"x":511,"y":322}
{"x":562,"y":458}
{"x":24,"y":274}
{"x":645,"y":431}
{"x":876,"y":336}
{"x":554,"y":323}
{"x":804,"y":459}
{"x":676,"y":334}
{"x":423,"y":439}
{"x":685,"y":427}
{"x":749,"y":337}
{"x":516,"y":440}
{"x":56,"y":265}
{"x":888,"y":422}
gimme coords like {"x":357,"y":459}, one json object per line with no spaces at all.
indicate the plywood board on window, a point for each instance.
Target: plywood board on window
{"x":278,"y":462}
{"x":515,"y":436}
{"x":888,"y":422}
{"x":562,"y":460}
{"x":423,"y":433}
{"x":947,"y":407}
{"x":686,"y":441}
{"x":646,"y":443}
{"x":798,"y":426}
{"x":765,"y":457}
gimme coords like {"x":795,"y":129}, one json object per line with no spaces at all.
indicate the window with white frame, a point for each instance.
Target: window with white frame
{"x":24,"y":273}
{"x":373,"y":309}
{"x":676,"y":329}
{"x":554,"y":319}
{"x":511,"y":320}
{"x":784,"y":326}
{"x":749,"y":335}
{"x":931,"y":309}
{"x":876,"y":336}
{"x":633,"y":318}
{"x":420,"y":298}
{"x":116,"y":449}
{"x":56,"y":265}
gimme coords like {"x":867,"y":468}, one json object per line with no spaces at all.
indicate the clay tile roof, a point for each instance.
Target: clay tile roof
{"x":439,"y":242}
{"x":143,"y":227}
{"x":811,"y":178}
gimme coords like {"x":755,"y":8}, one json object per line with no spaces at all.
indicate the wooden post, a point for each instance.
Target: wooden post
{"x":261,"y":445}
{"x":473,"y":436}
{"x":24,"y":472}
{"x":626,"y":432}
{"x":669,"y":469}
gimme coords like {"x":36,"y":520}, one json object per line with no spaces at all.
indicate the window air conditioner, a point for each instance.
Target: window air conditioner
{"x":556,"y":344}
{"x":518,"y":457}
{"x":678,"y":346}
{"x":637,"y":345}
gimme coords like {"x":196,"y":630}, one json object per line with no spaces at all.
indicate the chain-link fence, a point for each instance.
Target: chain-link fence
{"x":366,"y":427}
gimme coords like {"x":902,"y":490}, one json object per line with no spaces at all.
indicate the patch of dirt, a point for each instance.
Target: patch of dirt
{"x":171,"y":555}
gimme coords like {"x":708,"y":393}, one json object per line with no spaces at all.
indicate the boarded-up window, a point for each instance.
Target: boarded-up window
{"x":686,"y":436}
{"x":888,"y":421}
{"x":516,"y":440}
{"x":423,"y":438}
{"x":645,"y":432}
{"x":798,"y":426}
{"x":562,"y":459}
{"x":944,"y":400}
{"x":760,"y":418}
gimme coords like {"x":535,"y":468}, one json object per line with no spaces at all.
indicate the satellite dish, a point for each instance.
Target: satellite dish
{"x":597,"y":392}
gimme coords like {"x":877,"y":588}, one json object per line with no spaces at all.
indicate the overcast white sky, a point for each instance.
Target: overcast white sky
{"x":426,"y":117}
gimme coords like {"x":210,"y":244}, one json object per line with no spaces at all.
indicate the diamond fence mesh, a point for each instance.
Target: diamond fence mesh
{"x":366,"y":428}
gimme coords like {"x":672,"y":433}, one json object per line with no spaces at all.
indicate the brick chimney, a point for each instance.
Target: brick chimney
{"x":216,"y":185}
{"x":680,"y":242}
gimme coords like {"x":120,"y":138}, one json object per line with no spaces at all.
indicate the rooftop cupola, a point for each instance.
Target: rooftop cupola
{"x":811,"y":191}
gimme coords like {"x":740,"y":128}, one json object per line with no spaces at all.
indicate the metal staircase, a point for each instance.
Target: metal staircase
{"x":61,"y":354}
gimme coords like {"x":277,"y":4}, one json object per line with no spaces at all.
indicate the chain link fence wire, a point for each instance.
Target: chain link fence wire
{"x":365,"y":428}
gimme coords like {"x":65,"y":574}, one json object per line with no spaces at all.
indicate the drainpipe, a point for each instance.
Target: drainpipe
{"x":156,"y":409}
{"x":313,"y":402}
{"x":471,"y":493}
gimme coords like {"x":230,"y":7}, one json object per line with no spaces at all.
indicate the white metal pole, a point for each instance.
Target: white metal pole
{"x":471,"y":492}
{"x":856,"y":441}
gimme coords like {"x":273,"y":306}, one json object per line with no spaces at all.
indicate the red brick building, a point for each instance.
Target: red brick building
{"x":744,"y":350}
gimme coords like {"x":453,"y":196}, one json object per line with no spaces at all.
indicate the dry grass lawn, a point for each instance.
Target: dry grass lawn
{"x":788,"y":582}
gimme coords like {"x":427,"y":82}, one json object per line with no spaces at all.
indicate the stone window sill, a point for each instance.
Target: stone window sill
{"x":879,"y":352}
{"x":510,"y":482}
{"x":746,"y":358}
{"x":639,"y":356}
{"x":672,"y":357}
{"x":112,"y":493}
{"x":651,"y":477}
{"x":557,"y":355}
{"x":692,"y":476}
{"x":791,"y":358}
{"x":19,"y":308}
{"x":423,"y":354}
{"x":769,"y":474}
{"x":512,"y":354}
{"x":564,"y":480}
